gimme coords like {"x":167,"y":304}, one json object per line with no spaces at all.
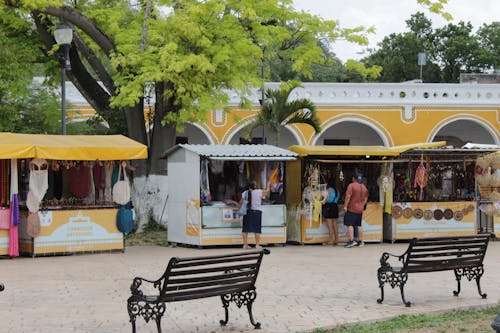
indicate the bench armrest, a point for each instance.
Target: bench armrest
{"x":138,"y":281}
{"x":385,"y":258}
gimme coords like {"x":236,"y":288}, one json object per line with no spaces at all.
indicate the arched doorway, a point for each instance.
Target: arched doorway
{"x":193,"y":134}
{"x":351,"y":133}
{"x":460,"y":132}
{"x":287,"y":137}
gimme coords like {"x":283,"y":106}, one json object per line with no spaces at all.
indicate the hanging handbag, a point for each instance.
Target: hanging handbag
{"x":33,"y":225}
{"x":243,"y":209}
{"x":5,"y":218}
{"x":125,"y":219}
{"x":121,"y":189}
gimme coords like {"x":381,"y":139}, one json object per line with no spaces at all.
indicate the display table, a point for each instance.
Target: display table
{"x":219,"y":225}
{"x":461,"y":220}
{"x":72,"y":230}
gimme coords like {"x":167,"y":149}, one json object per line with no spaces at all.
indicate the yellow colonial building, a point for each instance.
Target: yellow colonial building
{"x":386,"y":114}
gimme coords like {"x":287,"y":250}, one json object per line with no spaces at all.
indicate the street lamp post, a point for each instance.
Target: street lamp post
{"x":63,"y":36}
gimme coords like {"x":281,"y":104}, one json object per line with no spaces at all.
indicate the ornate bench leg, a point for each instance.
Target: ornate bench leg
{"x":243,"y":298}
{"x":401,"y":287}
{"x":146,"y":310}
{"x":470,"y":273}
{"x":458,"y":277}
{"x":382,"y":277}
{"x":225,"y":303}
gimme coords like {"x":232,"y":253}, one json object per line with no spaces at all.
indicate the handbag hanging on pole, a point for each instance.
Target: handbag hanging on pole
{"x":121,"y":189}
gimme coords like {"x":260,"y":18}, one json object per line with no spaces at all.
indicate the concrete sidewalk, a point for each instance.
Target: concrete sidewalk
{"x":299,"y":288}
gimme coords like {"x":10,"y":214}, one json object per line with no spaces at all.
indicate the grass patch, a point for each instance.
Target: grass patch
{"x":152,"y":234}
{"x":473,"y":321}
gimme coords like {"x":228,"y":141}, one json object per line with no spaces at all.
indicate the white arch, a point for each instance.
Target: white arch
{"x":204,"y":131}
{"x":470,"y":117}
{"x":248,"y":120}
{"x":388,"y":142}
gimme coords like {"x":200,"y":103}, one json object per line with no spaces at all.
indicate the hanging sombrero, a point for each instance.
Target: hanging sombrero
{"x":438,"y":214}
{"x":407,"y":212}
{"x":448,"y":214}
{"x":418,"y":213}
{"x":397,"y":211}
{"x":428,"y":214}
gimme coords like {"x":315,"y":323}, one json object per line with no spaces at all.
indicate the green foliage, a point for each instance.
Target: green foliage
{"x":277,"y":110}
{"x":464,"y":321}
{"x":450,"y":50}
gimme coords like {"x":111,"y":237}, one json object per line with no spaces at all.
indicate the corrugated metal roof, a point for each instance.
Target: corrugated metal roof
{"x":238,"y":152}
{"x":361,"y":150}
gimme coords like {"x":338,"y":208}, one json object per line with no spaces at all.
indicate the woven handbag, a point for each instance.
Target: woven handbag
{"x":121,"y":189}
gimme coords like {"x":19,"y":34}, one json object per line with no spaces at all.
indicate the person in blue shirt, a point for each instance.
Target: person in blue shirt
{"x":331,"y":212}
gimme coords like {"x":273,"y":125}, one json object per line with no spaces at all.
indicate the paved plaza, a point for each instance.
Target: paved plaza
{"x":299,"y":288}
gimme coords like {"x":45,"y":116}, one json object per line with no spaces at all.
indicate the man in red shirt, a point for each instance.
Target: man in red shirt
{"x":356,"y":197}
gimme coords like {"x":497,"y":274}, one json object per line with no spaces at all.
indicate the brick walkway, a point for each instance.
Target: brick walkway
{"x":299,"y":288}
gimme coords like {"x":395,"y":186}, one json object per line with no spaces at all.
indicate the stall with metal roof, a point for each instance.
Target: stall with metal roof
{"x":305,"y":221}
{"x":204,"y":183}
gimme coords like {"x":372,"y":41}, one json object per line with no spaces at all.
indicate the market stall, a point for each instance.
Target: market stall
{"x":442,"y":192}
{"x":65,"y":191}
{"x":206,"y":181}
{"x":316,"y":165}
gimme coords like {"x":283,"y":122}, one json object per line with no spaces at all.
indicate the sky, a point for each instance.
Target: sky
{"x":389,"y":16}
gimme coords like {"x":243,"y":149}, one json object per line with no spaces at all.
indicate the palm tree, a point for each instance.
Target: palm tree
{"x":277,"y":110}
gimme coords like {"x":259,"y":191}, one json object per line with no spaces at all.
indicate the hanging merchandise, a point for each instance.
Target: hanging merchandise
{"x":421,"y":178}
{"x":33,"y":225}
{"x":4,"y":218}
{"x":14,"y":211}
{"x":121,"y":189}
{"x":32,"y":202}
{"x":125,"y":219}
{"x":204,"y":182}
{"x":39,"y":175}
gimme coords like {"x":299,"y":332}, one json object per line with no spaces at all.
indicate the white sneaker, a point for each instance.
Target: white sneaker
{"x":360,"y":243}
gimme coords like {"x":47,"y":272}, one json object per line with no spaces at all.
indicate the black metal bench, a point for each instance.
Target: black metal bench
{"x":231,"y":277}
{"x":462,"y":254}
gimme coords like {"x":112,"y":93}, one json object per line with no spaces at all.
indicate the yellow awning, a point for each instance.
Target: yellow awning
{"x":361,"y":150}
{"x":77,"y":147}
{"x":13,"y":147}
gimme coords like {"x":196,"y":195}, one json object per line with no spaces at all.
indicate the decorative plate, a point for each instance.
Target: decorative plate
{"x":407,"y":212}
{"x":438,"y":214}
{"x":428,"y":214}
{"x":459,"y":215}
{"x":418,"y":213}
{"x":448,"y":214}
{"x":397,"y":211}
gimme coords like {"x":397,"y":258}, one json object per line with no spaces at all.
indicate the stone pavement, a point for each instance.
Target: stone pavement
{"x":299,"y":288}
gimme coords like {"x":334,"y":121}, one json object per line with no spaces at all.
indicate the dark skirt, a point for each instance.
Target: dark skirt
{"x":252,"y":221}
{"x":330,"y":211}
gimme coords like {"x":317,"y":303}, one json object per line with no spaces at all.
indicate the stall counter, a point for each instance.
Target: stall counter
{"x":4,"y":242}
{"x":219,"y":225}
{"x":303,"y":229}
{"x":433,"y":219}
{"x":69,"y":231}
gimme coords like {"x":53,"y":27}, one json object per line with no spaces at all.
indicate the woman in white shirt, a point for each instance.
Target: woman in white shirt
{"x":252,"y":221}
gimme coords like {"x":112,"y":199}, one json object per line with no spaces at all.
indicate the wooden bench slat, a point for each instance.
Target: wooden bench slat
{"x":207,"y":292}
{"x":214,"y":261}
{"x":175,"y":272}
{"x":204,"y":278}
{"x":447,"y":254}
{"x":220,"y":281}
